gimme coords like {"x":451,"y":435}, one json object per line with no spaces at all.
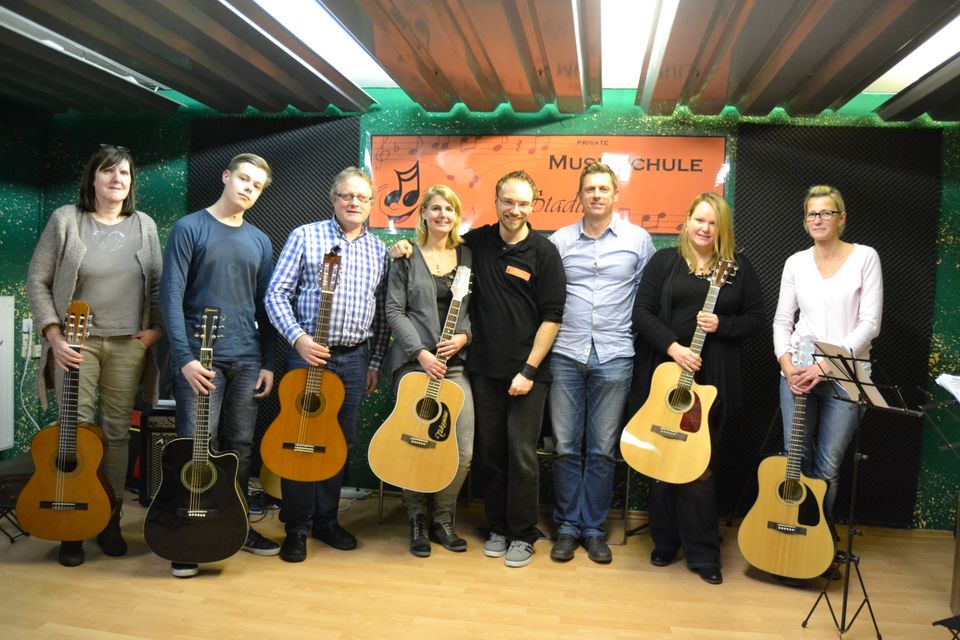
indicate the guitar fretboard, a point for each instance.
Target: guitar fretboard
{"x":69,"y":397}
{"x":699,"y":336}
{"x":449,"y":326}
{"x":321,"y":335}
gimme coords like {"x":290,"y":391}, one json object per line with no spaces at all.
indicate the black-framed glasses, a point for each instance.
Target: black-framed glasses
{"x":348,"y":198}
{"x":823,"y":215}
{"x":114,"y":146}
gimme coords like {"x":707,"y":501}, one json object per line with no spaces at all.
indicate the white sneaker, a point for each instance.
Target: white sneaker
{"x":495,"y":546}
{"x":183,"y":569}
{"x":519,"y":554}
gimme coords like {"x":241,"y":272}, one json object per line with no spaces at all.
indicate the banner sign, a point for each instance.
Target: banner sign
{"x":659,"y":175}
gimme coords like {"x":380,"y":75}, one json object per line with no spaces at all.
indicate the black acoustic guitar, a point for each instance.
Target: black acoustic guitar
{"x":199,"y":513}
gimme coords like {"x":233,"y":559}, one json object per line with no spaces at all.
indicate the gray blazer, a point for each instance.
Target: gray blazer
{"x":412,"y":310}
{"x":52,"y":279}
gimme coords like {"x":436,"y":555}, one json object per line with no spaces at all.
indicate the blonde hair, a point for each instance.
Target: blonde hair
{"x":445,"y":192}
{"x":724,"y":244}
{"x":255,"y":160}
{"x":825,"y":191}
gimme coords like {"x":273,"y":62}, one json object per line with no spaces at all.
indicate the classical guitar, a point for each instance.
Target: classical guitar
{"x":199,"y":513}
{"x":305,"y":442}
{"x":68,"y":497}
{"x":669,"y":438}
{"x":785,"y":532}
{"x":416,"y":446}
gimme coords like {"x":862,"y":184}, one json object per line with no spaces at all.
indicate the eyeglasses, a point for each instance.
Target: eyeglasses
{"x":510,"y":204}
{"x":114,"y":146}
{"x":823,"y":215}
{"x":348,"y":198}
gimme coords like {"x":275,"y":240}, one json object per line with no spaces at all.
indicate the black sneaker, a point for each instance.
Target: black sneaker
{"x":258,"y":545}
{"x":443,"y":533}
{"x":294,"y":548}
{"x":184,"y":569}
{"x":71,"y":553}
{"x":419,"y":544}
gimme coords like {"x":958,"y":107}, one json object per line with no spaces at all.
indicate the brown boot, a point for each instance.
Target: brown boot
{"x":111,"y":539}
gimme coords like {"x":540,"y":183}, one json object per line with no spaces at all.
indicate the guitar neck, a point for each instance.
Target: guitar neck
{"x":795,"y":451}
{"x":699,"y":335}
{"x":201,"y":435}
{"x":69,"y":398}
{"x":321,"y":335}
{"x":449,"y":326}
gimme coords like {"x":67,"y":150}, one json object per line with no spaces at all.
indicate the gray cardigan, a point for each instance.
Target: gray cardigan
{"x":52,"y":279}
{"x":412,"y":310}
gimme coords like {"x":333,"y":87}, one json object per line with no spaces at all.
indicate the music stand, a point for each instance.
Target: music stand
{"x":851,"y":374}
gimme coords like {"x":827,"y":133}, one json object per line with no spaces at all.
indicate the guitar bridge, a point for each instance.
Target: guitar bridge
{"x":63,"y":506}
{"x":669,"y":434}
{"x":198,"y":513}
{"x":418,"y":442}
{"x":300,"y":447}
{"x":789,"y":529}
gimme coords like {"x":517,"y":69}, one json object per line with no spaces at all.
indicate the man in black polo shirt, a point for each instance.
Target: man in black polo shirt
{"x":518,"y":298}
{"x":519,"y":290}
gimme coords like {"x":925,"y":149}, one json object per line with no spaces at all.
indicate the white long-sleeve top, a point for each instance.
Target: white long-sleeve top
{"x":843,"y":309}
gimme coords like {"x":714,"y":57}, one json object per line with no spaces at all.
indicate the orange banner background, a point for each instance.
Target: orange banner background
{"x":659,"y":175}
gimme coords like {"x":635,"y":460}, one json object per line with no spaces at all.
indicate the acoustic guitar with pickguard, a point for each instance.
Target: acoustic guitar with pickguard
{"x":668,"y":439}
{"x":785,"y":532}
{"x":305,"y":442}
{"x":199,"y":513}
{"x":68,"y":497}
{"x":416,"y":446}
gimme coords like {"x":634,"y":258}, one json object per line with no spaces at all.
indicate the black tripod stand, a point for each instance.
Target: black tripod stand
{"x":850,"y":374}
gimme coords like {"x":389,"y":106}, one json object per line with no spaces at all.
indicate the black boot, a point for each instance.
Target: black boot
{"x":419,"y":542}
{"x":71,"y":553}
{"x":110,"y":539}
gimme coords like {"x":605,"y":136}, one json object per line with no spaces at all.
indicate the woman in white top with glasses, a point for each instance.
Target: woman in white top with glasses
{"x":837,"y":287}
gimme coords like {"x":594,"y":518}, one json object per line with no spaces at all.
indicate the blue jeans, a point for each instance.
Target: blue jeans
{"x":314,"y":504}
{"x":832,"y":422}
{"x":231,"y":404}
{"x":586,"y":399}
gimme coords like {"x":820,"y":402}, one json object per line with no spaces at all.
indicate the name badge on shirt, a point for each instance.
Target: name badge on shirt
{"x":518,"y":272}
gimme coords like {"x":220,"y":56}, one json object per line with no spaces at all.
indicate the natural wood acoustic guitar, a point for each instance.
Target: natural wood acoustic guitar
{"x":68,"y":497}
{"x":416,"y":446}
{"x":668,"y":439}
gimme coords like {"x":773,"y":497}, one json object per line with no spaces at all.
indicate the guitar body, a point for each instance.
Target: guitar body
{"x":668,"y":439}
{"x":67,"y":499}
{"x":785,"y":533}
{"x":305,"y":442}
{"x":414,"y":452}
{"x":196,"y":517}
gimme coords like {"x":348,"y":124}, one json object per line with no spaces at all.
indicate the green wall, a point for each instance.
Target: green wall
{"x":42,"y":159}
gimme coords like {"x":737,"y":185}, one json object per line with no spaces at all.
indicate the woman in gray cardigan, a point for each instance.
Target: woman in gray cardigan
{"x":107,"y":254}
{"x":418,"y":298}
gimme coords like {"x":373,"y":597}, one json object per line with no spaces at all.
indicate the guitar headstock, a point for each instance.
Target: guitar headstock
{"x":77,"y":323}
{"x":211,"y":321}
{"x":803,"y":356}
{"x":723,"y":272}
{"x":461,"y":283}
{"x":330,"y":271}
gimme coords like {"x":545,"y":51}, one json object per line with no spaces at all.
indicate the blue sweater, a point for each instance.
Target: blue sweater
{"x":208,"y":263}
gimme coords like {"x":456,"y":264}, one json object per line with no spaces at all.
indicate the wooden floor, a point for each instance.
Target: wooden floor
{"x":381,"y":591}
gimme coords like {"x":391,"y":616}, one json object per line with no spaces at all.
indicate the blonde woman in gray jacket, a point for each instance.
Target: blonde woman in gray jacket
{"x":106,"y":253}
{"x":418,"y":298}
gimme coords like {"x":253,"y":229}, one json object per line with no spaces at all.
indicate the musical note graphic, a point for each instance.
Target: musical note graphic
{"x":646,"y":219}
{"x":406,"y":197}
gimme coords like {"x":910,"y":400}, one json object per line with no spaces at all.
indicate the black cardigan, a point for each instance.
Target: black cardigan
{"x":739,"y":307}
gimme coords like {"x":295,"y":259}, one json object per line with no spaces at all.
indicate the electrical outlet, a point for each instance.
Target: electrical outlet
{"x":36,"y":349}
{"x":26,"y":337}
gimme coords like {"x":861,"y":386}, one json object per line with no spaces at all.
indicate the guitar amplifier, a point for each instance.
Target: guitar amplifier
{"x":157,"y":430}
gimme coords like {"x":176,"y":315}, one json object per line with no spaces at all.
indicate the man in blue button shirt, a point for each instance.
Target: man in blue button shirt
{"x":592,"y":362}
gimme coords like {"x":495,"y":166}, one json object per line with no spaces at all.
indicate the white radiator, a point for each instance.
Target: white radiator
{"x":7,"y":374}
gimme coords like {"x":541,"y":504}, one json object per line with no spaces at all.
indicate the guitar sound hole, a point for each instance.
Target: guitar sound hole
{"x":311,"y":403}
{"x":428,"y":409}
{"x":67,"y":463}
{"x":680,"y":399}
{"x":198,"y":478}
{"x":791,"y":491}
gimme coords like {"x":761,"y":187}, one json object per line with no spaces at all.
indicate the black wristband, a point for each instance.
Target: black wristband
{"x":529,"y":371}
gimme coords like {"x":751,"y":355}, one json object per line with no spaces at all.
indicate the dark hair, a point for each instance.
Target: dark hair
{"x":104,"y":159}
